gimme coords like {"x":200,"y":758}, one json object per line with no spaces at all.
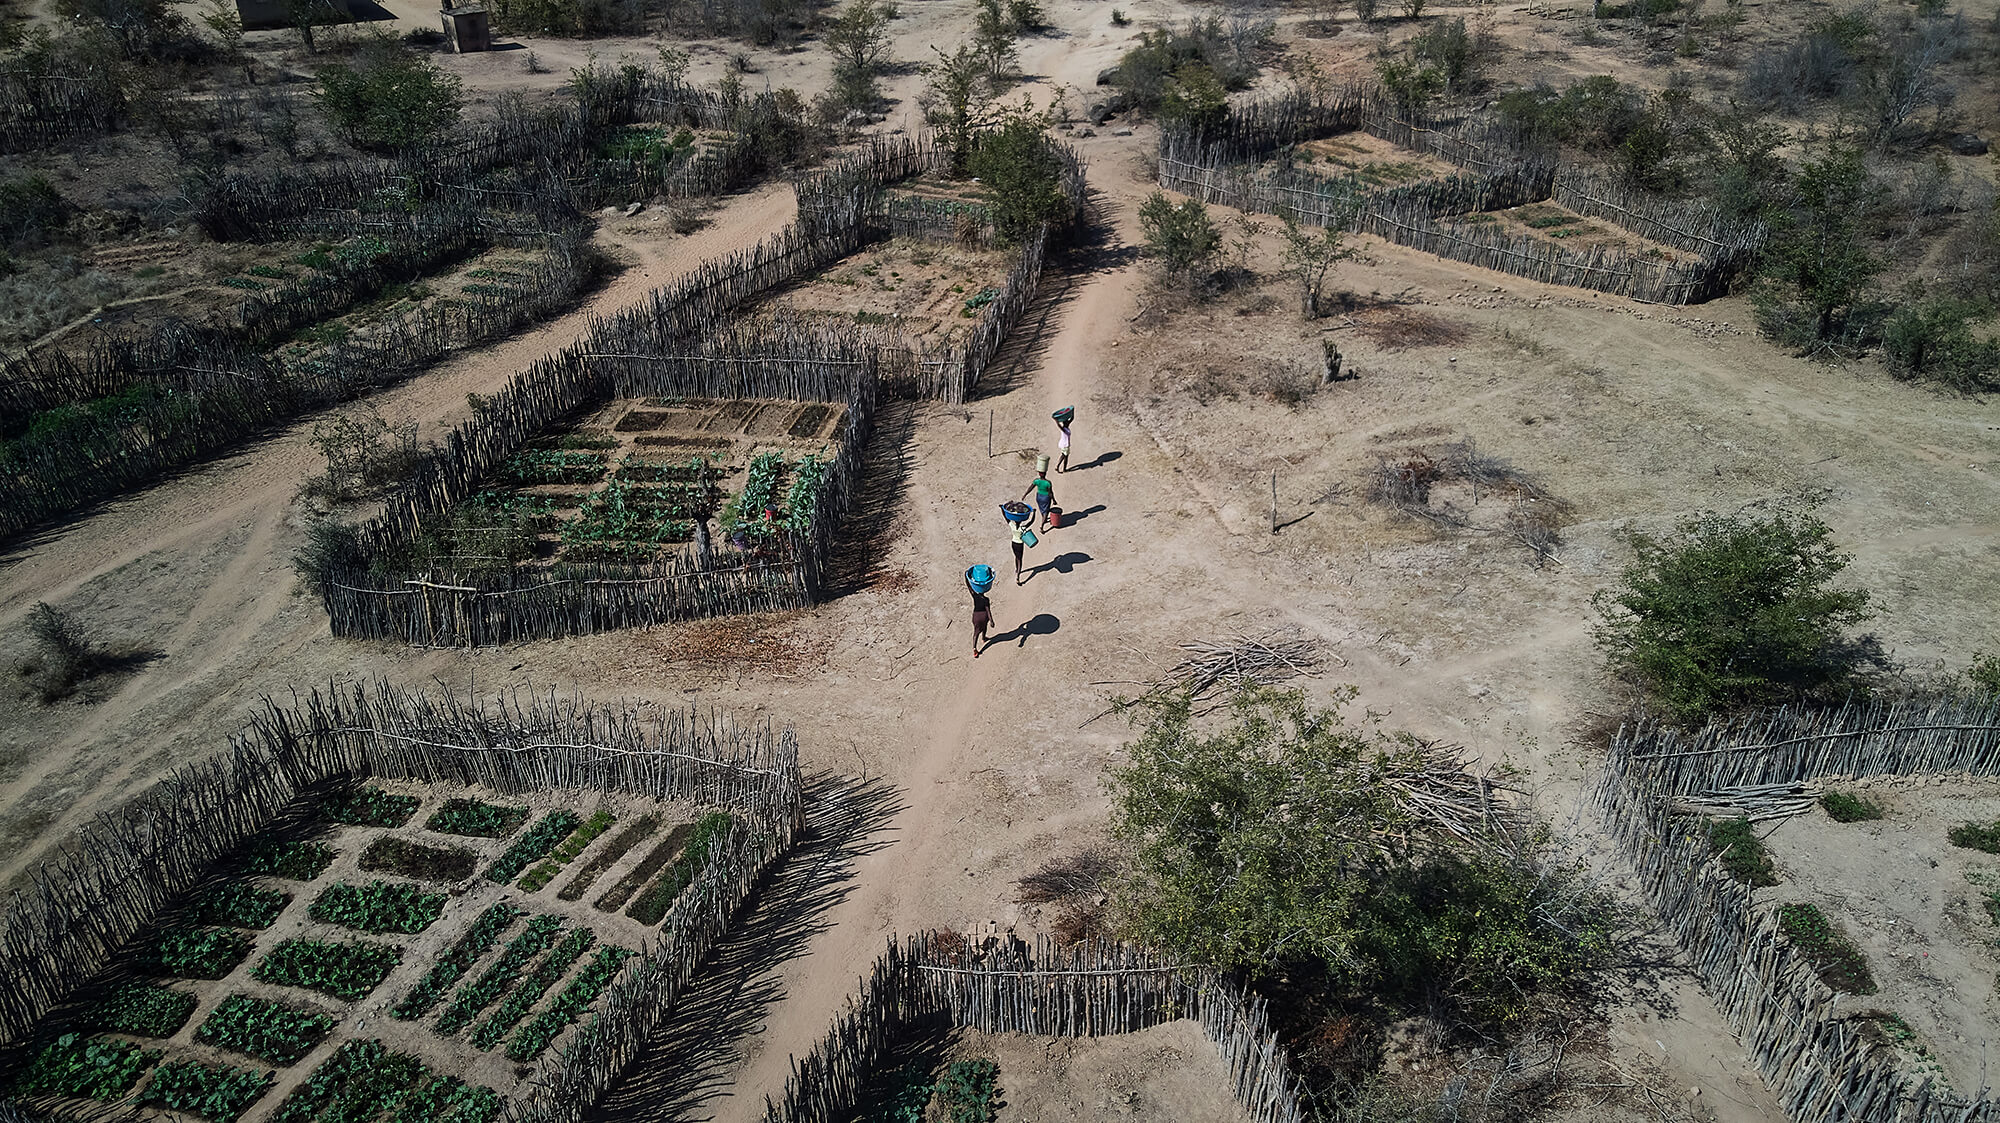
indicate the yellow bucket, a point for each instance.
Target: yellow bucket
{"x":1042,"y":463}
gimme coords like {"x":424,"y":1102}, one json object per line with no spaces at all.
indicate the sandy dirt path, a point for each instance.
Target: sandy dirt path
{"x":218,"y":537}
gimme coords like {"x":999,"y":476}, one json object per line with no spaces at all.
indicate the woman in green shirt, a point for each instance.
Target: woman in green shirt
{"x":1045,"y":496}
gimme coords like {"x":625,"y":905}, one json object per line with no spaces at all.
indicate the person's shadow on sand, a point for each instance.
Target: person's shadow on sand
{"x":1041,"y":624}
{"x":1102,"y":459}
{"x":1063,"y":563}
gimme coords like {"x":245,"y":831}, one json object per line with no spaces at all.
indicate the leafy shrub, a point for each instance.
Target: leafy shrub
{"x":501,"y":974}
{"x":1230,"y":52}
{"x":218,"y":1094}
{"x":709,"y":832}
{"x":534,"y":845}
{"x":567,"y":1006}
{"x":1846,"y":807}
{"x":347,"y":971}
{"x":30,"y":207}
{"x":379,"y":906}
{"x":197,"y":953}
{"x":1839,"y":963}
{"x":1017,"y":165}
{"x":369,"y":807}
{"x":581,"y":837}
{"x":144,"y":1010}
{"x":1977,"y":836}
{"x":88,"y":1067}
{"x":1983,"y":676}
{"x":1226,"y":864}
{"x":456,"y":961}
{"x":411,"y":859}
{"x":1733,"y":610}
{"x":530,"y":990}
{"x":263,"y":1029}
{"x":1743,"y":854}
{"x":391,"y":99}
{"x":295,"y":861}
{"x":1179,"y":234}
{"x":1932,"y":340}
{"x":239,"y":904}
{"x":970,"y":1090}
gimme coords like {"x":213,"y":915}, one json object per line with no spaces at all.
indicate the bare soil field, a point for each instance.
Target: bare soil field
{"x":1169,"y":1072}
{"x":1918,"y":907}
{"x":917,"y":293}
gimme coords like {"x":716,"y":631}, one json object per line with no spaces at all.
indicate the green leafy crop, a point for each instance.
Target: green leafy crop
{"x":568,"y":1005}
{"x":455,"y":961}
{"x":347,"y":971}
{"x":475,"y":818}
{"x":709,"y":832}
{"x":533,"y":845}
{"x":501,"y":974}
{"x":369,"y":807}
{"x":262,"y":1029}
{"x":581,"y":837}
{"x":218,"y":1094}
{"x":1840,"y":964}
{"x":89,"y":1067}
{"x":298,"y":861}
{"x":530,"y":990}
{"x":144,"y":1010}
{"x":379,"y":906}
{"x":240,"y":904}
{"x":197,"y":953}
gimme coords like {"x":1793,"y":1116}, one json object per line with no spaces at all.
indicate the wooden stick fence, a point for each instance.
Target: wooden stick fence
{"x":1808,"y":1046}
{"x":680,"y":342}
{"x":106,"y":883}
{"x":1084,"y":990}
{"x":1221,"y":166}
{"x":203,"y":392}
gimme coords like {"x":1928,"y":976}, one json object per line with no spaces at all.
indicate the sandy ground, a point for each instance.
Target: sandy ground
{"x":1634,"y":414}
{"x":1916,"y":905}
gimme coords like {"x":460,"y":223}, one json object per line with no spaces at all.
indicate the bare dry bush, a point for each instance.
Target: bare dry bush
{"x":364,"y":455}
{"x":1076,"y":887}
{"x":1398,"y":327}
{"x":1409,"y":482}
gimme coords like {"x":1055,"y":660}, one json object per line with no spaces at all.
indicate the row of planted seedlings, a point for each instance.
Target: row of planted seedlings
{"x":586,"y":496}
{"x":470,"y":932}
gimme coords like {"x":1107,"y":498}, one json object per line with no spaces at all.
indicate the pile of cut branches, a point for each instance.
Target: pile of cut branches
{"x":1215,"y":672}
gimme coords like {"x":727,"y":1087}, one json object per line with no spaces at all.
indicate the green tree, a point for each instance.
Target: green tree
{"x":391,"y":98}
{"x":1018,"y":165}
{"x":859,"y":43}
{"x":1180,"y":235}
{"x":1312,"y":254}
{"x":955,"y":102}
{"x":993,"y":38}
{"x":1816,"y":264}
{"x":1252,"y":846}
{"x":1412,"y":85}
{"x":1194,"y":99}
{"x":1735,"y":610}
{"x":1285,"y":839}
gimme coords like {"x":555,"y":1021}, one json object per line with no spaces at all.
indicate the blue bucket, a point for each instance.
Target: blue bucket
{"x":980,"y":577}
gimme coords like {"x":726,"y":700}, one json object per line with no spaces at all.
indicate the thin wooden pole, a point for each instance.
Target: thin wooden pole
{"x":1274,"y":502}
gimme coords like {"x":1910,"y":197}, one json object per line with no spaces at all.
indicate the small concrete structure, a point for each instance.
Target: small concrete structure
{"x":465,"y":26}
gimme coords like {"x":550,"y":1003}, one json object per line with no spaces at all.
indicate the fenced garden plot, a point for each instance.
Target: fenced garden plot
{"x":907,"y":294}
{"x":1084,"y":990}
{"x":570,"y":1030}
{"x":180,"y":396}
{"x":1821,"y":1051}
{"x":1270,"y":158}
{"x":627,"y":482}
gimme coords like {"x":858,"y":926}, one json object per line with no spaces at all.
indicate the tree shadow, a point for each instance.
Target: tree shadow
{"x":691,"y":1058}
{"x":1063,"y":563}
{"x":1041,"y":624}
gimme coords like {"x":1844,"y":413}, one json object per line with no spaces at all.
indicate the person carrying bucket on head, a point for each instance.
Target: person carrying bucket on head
{"x":1063,"y":417}
{"x":1018,"y":516}
{"x":1043,"y":489}
{"x":979,"y":579}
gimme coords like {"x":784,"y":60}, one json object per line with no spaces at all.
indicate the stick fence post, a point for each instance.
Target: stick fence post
{"x":1274,"y":502}
{"x":989,"y":434}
